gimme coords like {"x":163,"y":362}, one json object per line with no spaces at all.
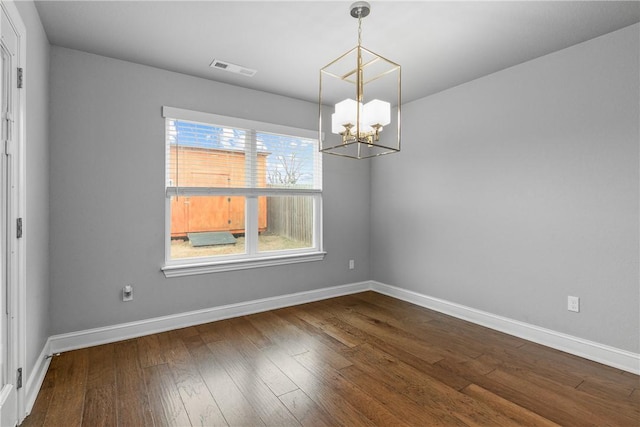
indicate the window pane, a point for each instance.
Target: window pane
{"x":201,"y":155}
{"x":204,"y":226}
{"x":287,"y":223}
{"x":287,"y":162}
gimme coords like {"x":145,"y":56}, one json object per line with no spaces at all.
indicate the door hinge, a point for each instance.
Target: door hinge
{"x":19,"y":228}
{"x":19,"y":79}
{"x":19,"y":378}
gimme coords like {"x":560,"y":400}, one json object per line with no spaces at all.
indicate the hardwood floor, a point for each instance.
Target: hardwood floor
{"x":364,"y":359}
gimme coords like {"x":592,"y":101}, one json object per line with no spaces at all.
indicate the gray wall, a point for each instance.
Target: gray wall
{"x":518,"y":189}
{"x":107,"y":195}
{"x":36,"y":232}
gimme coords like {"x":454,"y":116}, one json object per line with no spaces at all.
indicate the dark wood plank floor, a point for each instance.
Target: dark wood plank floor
{"x":363,"y":359}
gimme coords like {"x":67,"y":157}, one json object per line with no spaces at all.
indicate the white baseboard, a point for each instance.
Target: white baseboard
{"x":36,"y":378}
{"x":601,"y":353}
{"x":108,"y":334}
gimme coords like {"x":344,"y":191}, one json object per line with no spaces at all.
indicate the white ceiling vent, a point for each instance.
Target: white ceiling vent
{"x":232,"y":68}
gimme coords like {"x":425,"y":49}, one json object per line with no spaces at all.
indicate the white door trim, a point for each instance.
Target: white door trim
{"x":18,"y":278}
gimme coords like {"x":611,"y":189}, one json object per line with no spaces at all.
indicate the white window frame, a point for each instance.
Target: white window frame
{"x":252,"y":258}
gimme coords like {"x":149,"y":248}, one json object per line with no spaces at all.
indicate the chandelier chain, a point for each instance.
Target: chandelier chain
{"x":359,"y":30}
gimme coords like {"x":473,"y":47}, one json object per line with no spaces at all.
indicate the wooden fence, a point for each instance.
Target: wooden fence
{"x":291,"y":217}
{"x":211,"y":167}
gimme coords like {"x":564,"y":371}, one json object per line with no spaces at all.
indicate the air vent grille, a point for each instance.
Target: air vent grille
{"x":232,"y":68}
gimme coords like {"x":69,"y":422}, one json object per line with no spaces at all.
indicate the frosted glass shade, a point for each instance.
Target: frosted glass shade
{"x":377,"y":112}
{"x":336,"y":126}
{"x":346,"y":112}
{"x":374,"y":112}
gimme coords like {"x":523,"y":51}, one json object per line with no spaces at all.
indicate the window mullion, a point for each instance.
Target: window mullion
{"x":251,"y":214}
{"x":251,"y":225}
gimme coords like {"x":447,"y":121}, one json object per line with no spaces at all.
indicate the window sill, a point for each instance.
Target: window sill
{"x":178,"y":270}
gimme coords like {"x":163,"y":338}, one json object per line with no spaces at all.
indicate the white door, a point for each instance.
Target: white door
{"x":8,"y":319}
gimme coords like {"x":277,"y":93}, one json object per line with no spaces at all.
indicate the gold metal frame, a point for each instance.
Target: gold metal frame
{"x":365,"y":140}
{"x":367,"y":143}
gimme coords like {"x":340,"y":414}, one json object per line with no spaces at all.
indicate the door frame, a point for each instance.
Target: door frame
{"x":18,"y":209}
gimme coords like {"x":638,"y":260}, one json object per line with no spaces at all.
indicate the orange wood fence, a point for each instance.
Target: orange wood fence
{"x":206,"y":167}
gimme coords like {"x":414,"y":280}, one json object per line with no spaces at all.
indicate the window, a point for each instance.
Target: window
{"x":239,"y":194}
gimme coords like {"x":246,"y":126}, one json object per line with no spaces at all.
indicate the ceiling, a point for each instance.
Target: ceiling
{"x":438,"y":44}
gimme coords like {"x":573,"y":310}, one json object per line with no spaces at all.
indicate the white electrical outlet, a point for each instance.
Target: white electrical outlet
{"x":127,"y":293}
{"x":352,"y":264}
{"x":573,"y":304}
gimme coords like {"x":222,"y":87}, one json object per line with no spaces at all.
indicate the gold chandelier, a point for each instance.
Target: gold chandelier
{"x":364,"y":90}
